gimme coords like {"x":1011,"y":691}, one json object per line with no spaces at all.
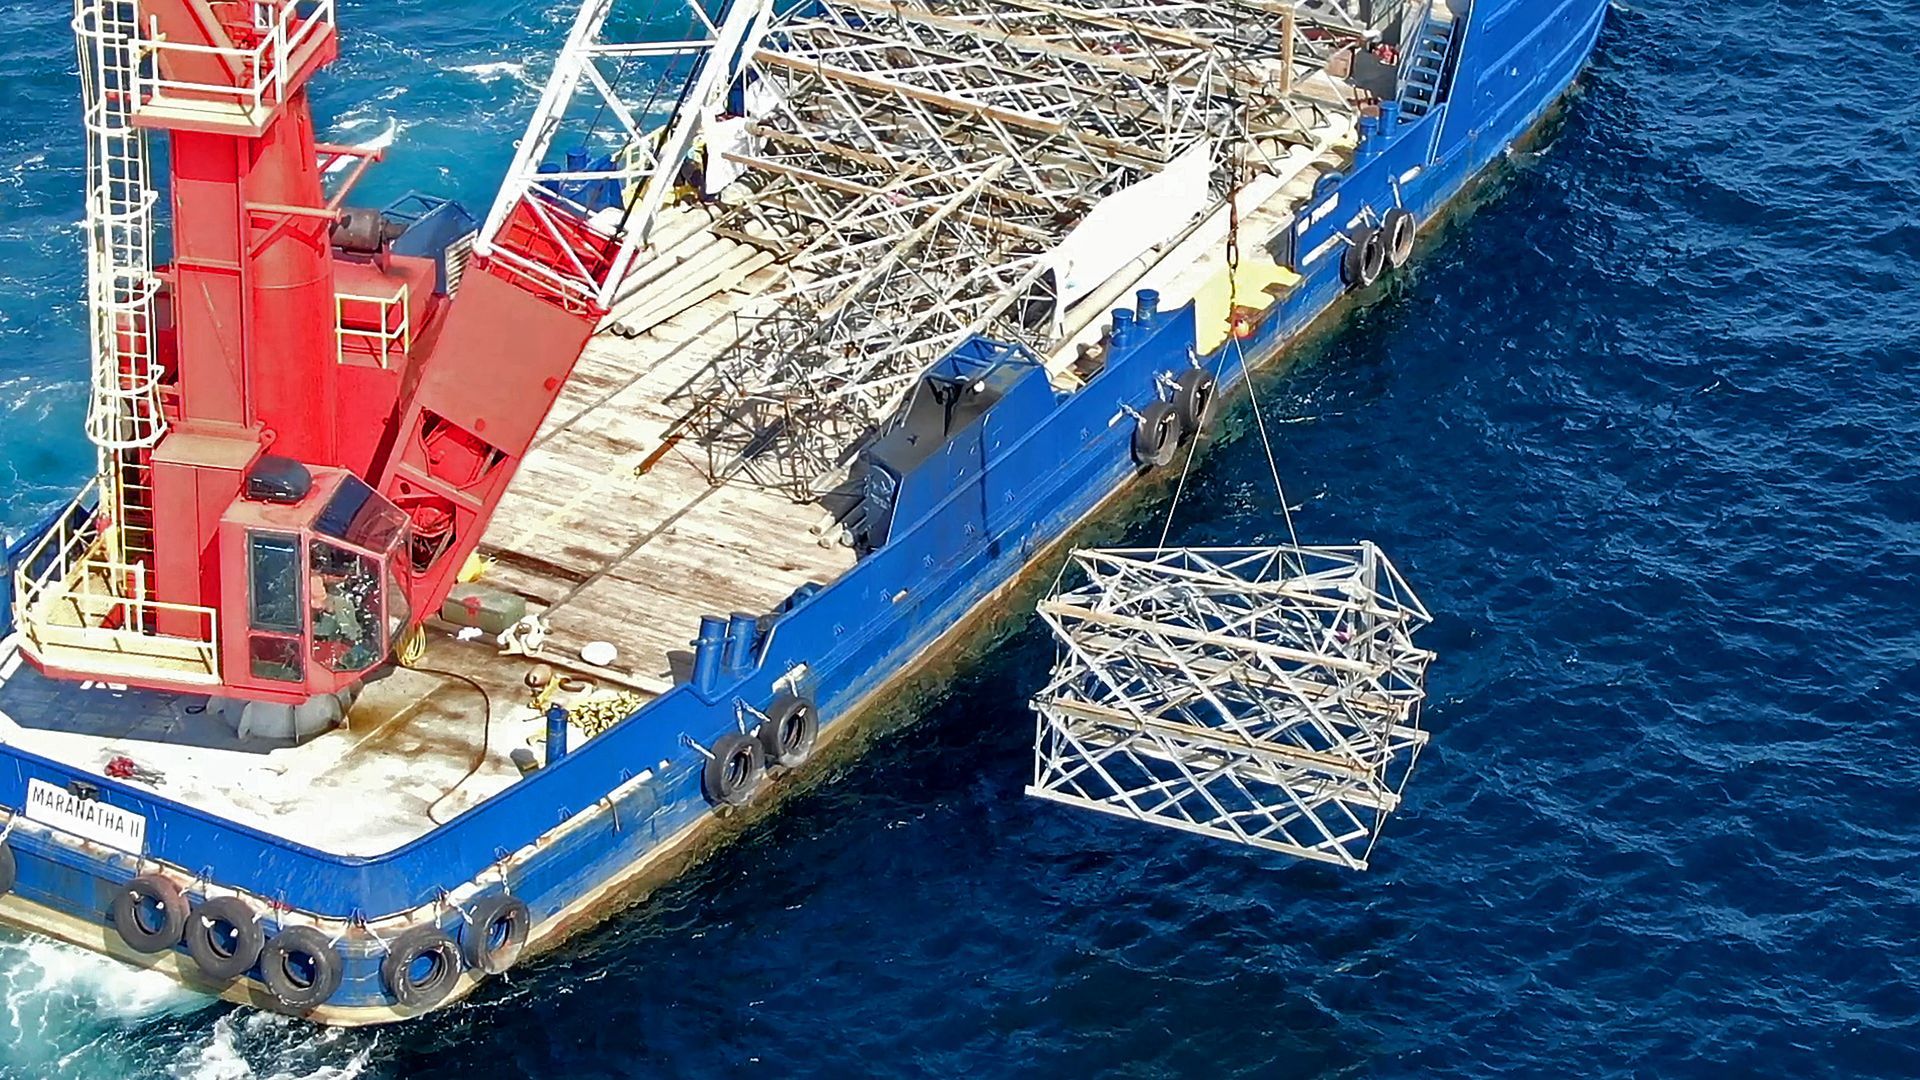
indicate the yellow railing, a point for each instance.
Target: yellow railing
{"x":261,"y":71}
{"x":394,"y":335}
{"x":64,"y":546}
{"x":80,"y":610}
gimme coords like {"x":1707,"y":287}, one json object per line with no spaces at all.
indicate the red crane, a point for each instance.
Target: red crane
{"x":301,"y":440}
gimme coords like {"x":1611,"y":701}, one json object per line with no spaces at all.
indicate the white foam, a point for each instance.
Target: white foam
{"x":39,"y":968}
{"x":495,"y":70}
{"x":69,"y":1012}
{"x":288,"y":1048}
{"x":374,"y":145}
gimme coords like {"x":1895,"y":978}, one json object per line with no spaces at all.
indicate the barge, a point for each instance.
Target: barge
{"x":447,"y":577}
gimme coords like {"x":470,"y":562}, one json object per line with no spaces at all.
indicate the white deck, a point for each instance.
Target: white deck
{"x":358,"y":790}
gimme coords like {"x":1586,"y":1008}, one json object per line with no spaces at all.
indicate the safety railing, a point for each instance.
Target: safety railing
{"x":393,"y":334}
{"x":77,"y":607}
{"x":258,"y":76}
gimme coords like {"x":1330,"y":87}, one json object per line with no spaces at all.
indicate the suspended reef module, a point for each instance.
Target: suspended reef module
{"x":1269,"y":696}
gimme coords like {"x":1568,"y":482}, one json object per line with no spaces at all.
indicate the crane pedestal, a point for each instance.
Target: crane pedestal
{"x":1268,"y":696}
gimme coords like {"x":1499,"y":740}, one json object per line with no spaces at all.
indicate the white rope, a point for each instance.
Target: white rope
{"x":1246,"y":373}
{"x":1279,"y":490}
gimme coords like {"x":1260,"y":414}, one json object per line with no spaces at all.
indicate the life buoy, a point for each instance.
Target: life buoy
{"x":733,"y":772}
{"x":9,"y":869}
{"x":1401,"y":228}
{"x":496,"y":933}
{"x":1193,"y":400}
{"x":791,"y":728}
{"x":1365,"y":257}
{"x":1156,"y":436}
{"x":150,"y":914}
{"x":224,"y":937}
{"x":421,"y":967}
{"x":300,"y":968}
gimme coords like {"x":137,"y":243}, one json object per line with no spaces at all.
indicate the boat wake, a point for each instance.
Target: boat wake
{"x":71,"y":1013}
{"x":262,"y":1046}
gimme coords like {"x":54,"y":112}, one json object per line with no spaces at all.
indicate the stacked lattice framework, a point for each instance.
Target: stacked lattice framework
{"x":1269,"y":696}
{"x":919,"y":160}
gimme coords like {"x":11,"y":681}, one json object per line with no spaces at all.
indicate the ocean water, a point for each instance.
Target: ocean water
{"x":1642,"y":428}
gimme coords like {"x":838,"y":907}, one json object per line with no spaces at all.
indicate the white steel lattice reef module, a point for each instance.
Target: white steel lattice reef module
{"x":1269,"y":696}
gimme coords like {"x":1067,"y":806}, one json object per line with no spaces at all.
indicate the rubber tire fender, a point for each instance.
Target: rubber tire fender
{"x":131,"y":901}
{"x":284,"y":984}
{"x":430,"y":989}
{"x":733,"y":773}
{"x":1365,"y":257}
{"x":791,"y":728}
{"x":1193,"y":400}
{"x":1400,"y":229}
{"x":208,"y":947}
{"x":9,"y":869}
{"x":483,"y":953}
{"x":1156,"y":436}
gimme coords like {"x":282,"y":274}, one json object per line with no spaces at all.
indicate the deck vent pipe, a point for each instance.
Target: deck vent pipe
{"x":556,"y":733}
{"x":1146,"y":304}
{"x":1367,"y":147}
{"x":707,"y":653}
{"x":742,"y":629}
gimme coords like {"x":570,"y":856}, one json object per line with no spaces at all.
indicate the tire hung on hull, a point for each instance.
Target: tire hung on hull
{"x":1400,"y":230}
{"x":1365,"y":257}
{"x":300,"y":968}
{"x":421,"y":968}
{"x":734,"y":771}
{"x":1156,"y":435}
{"x":1193,"y":401}
{"x":496,"y":934}
{"x":149,"y":914}
{"x":9,"y":869}
{"x":791,"y":728}
{"x":224,"y":937}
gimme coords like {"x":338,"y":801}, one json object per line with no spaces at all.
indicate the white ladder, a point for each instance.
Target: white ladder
{"x":124,"y":416}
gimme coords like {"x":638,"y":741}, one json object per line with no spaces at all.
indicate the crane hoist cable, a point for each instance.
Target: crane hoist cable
{"x":1235,"y":344}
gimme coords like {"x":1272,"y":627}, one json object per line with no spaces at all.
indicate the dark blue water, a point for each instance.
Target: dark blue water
{"x":1642,"y":428}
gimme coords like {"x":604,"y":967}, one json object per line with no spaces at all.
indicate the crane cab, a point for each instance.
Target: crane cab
{"x":312,"y":558}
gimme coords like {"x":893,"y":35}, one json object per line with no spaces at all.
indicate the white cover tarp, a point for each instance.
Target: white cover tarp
{"x":1126,"y":224}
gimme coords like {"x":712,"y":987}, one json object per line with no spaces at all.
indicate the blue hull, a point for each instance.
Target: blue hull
{"x":966,"y":523}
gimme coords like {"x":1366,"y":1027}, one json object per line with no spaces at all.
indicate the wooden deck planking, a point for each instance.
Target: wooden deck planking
{"x":613,"y":555}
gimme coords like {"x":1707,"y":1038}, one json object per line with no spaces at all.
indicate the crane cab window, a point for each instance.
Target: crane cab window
{"x":273,"y":607}
{"x":273,"y":564}
{"x":343,"y":587}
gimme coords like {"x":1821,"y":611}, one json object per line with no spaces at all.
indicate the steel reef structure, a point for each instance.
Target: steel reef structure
{"x":965,"y":266}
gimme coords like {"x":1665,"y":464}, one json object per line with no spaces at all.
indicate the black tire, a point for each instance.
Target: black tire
{"x":300,"y":968}
{"x":496,"y":934}
{"x":1400,"y":229}
{"x":1157,"y":436}
{"x":791,"y":728}
{"x":733,"y":774}
{"x":9,"y":869}
{"x":224,"y":937}
{"x":1365,"y":257}
{"x":1193,"y":401}
{"x":150,"y":914}
{"x":421,"y":967}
